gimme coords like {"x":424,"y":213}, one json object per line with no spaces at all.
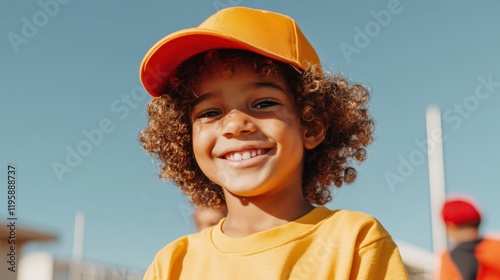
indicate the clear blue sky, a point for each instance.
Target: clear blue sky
{"x":69,"y":70}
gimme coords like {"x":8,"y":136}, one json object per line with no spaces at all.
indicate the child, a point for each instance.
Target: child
{"x":243,"y":117}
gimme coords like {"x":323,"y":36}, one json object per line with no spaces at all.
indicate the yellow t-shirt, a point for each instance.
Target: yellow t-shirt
{"x":323,"y":244}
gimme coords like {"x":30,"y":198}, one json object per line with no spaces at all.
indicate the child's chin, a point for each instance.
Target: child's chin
{"x":244,"y":191}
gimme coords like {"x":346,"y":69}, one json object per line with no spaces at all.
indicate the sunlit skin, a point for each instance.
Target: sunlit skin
{"x":249,"y":139}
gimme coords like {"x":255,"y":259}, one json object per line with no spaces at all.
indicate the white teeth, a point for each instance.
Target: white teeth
{"x":245,"y":155}
{"x":237,"y":156}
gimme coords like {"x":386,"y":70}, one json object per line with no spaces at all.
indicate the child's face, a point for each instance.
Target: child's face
{"x":247,"y":135}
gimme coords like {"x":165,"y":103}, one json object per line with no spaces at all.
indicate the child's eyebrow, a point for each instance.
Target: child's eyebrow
{"x":202,"y":98}
{"x":268,"y":84}
{"x":252,"y":85}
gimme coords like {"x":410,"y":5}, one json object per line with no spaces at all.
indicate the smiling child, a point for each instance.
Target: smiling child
{"x":244,"y":118}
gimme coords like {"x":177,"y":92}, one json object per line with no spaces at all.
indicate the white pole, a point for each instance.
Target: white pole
{"x":78,"y":239}
{"x":436,"y":177}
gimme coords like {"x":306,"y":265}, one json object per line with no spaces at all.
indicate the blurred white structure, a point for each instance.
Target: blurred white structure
{"x":437,"y":185}
{"x":43,"y":266}
{"x":21,"y":236}
{"x":419,"y":263}
{"x":75,"y":269}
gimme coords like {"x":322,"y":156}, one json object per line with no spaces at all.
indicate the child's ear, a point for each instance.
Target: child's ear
{"x":313,"y":137}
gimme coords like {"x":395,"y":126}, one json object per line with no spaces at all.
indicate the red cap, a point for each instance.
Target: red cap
{"x":460,"y":211}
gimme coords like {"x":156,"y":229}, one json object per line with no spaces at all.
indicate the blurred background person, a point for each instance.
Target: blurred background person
{"x":472,"y":256}
{"x":206,"y":217}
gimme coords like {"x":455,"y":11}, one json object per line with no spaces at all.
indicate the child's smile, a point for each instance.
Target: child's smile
{"x":244,"y":155}
{"x":247,"y":135}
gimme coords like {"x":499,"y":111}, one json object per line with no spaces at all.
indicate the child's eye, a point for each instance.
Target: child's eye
{"x":265,"y":103}
{"x":208,"y":114}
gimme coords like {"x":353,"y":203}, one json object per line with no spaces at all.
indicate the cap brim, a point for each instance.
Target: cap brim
{"x":164,"y":57}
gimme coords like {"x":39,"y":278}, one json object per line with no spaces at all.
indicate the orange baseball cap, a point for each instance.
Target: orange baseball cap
{"x":263,"y":32}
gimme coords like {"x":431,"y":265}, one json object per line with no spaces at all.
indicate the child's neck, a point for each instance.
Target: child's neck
{"x":247,"y":216}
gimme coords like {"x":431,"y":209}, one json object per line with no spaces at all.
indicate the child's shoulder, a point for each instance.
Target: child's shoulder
{"x":348,"y":223}
{"x":180,"y":246}
{"x":348,"y":216}
{"x":352,"y":216}
{"x":169,"y":259}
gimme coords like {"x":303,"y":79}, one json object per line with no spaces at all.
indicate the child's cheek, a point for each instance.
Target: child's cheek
{"x":289,"y":115}
{"x":276,"y":129}
{"x":196,"y":131}
{"x":202,"y":137}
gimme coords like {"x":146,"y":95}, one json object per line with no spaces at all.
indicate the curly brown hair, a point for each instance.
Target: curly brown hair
{"x":327,"y":103}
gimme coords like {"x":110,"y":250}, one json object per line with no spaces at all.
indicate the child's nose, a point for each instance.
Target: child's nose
{"x":237,"y":123}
